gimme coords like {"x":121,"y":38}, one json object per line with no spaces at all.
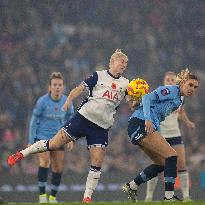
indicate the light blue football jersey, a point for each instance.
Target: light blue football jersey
{"x":158,"y":104}
{"x":48,"y":117}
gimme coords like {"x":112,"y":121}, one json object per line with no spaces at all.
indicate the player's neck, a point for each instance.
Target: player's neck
{"x":55,"y":97}
{"x":114,"y":73}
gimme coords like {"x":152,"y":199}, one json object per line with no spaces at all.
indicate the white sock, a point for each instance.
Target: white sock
{"x":133,"y":185}
{"x":151,"y":185}
{"x":169,"y":194}
{"x":39,"y":146}
{"x":184,"y":179}
{"x":91,"y":183}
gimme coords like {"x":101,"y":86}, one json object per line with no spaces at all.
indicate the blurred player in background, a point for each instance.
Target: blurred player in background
{"x":47,"y":118}
{"x":169,"y":129}
{"x":107,"y":88}
{"x":143,"y":130}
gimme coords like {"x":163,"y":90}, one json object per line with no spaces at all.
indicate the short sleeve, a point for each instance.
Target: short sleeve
{"x":91,"y":81}
{"x":166,"y":92}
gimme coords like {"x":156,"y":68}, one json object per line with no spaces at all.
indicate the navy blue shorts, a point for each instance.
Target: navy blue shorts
{"x":175,"y":141}
{"x":136,"y":130}
{"x":79,"y":127}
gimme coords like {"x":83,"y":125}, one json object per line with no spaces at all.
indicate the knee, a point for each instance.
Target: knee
{"x":44,"y":163}
{"x":97,"y":161}
{"x":53,"y":146}
{"x":173,"y":153}
{"x":57,"y":168}
{"x":158,"y":161}
{"x":181,"y":165}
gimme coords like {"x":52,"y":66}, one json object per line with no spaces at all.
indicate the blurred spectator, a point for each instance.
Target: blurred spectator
{"x":75,"y":38}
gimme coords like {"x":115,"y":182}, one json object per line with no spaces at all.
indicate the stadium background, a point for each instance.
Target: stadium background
{"x":77,"y":38}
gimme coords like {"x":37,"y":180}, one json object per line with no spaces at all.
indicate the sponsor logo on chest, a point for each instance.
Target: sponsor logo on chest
{"x":111,"y":95}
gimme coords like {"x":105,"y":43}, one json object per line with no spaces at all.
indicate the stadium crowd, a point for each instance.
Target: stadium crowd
{"x":76,"y":38}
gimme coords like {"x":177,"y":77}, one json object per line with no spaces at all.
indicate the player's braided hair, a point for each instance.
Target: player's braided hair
{"x":185,"y":75}
{"x":117,"y":54}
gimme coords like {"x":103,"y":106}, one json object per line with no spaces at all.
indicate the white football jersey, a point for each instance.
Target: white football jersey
{"x":106,"y":93}
{"x":170,"y":126}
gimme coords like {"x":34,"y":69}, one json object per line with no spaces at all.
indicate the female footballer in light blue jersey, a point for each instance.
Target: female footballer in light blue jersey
{"x":144,"y":130}
{"x":169,"y":129}
{"x":47,"y":118}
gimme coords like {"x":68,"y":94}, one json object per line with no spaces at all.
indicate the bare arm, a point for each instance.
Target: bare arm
{"x":183,"y":116}
{"x":72,"y":95}
{"x":133,"y":104}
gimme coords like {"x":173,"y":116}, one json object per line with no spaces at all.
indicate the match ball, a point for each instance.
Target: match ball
{"x":137,"y":88}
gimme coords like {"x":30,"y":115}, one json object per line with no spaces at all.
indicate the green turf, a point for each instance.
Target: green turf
{"x":126,"y":203}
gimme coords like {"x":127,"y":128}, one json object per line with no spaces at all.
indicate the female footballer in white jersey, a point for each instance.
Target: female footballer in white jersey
{"x":106,"y":89}
{"x":169,"y":129}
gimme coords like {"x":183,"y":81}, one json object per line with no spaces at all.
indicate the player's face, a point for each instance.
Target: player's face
{"x":120,"y":64}
{"x":170,"y":79}
{"x":56,"y":87}
{"x":188,"y":88}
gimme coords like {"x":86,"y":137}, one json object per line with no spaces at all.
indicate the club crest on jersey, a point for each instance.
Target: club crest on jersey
{"x":165,"y":91}
{"x":110,"y":95}
{"x":114,"y":86}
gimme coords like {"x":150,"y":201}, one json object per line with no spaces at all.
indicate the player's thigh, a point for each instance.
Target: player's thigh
{"x":181,"y":162}
{"x":154,"y":156}
{"x":157,"y":144}
{"x":57,"y":160}
{"x":59,"y":139}
{"x":97,"y":155}
{"x":44,"y":159}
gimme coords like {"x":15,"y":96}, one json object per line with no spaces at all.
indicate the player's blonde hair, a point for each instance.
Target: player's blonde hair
{"x":170,"y":73}
{"x":118,"y":54}
{"x":54,"y":75}
{"x":185,"y":75}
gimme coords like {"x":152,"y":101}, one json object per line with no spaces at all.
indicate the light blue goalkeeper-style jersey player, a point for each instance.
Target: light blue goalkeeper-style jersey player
{"x":158,"y":104}
{"x":48,"y":117}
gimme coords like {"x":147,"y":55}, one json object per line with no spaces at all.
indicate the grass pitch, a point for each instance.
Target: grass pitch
{"x":124,"y":203}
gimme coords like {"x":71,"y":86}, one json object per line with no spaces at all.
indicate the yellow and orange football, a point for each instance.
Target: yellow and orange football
{"x":137,"y":88}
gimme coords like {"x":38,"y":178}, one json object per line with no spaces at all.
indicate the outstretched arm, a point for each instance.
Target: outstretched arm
{"x":183,"y":116}
{"x":87,"y":84}
{"x":72,"y":95}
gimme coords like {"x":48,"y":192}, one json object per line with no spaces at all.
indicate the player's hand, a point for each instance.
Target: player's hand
{"x":191,"y":125}
{"x":66,"y":105}
{"x":70,"y":145}
{"x":148,"y":127}
{"x":135,"y":103}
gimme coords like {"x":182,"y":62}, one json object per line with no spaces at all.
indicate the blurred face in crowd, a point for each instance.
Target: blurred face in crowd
{"x":118,"y":65}
{"x":188,"y":88}
{"x":56,"y":88}
{"x":170,"y":79}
